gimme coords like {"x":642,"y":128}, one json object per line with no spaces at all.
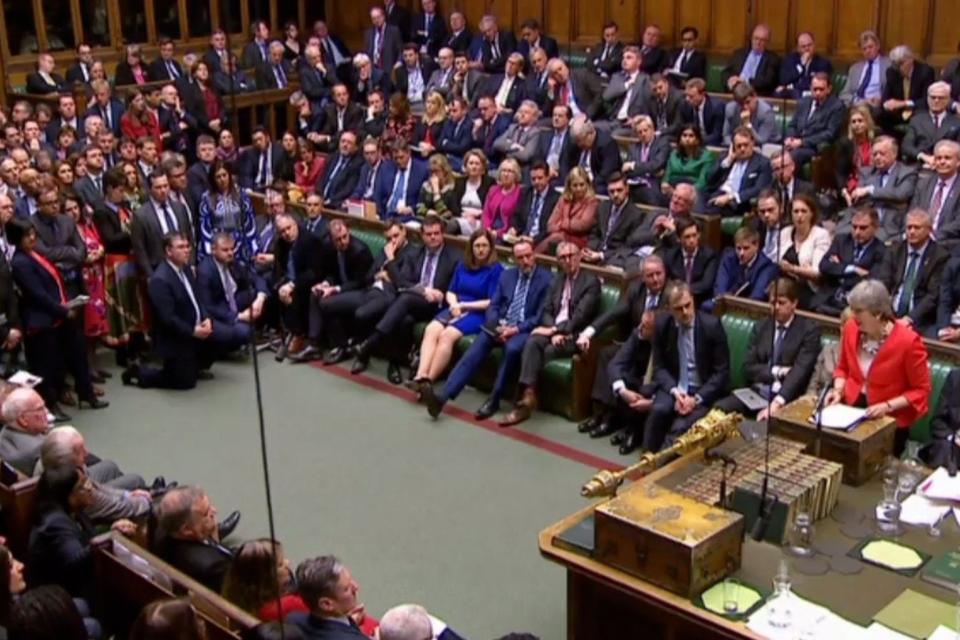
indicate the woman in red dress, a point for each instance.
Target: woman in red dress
{"x":309,"y":167}
{"x":138,"y":121}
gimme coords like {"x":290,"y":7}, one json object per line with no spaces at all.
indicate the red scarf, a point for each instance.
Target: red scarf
{"x":54,"y":273}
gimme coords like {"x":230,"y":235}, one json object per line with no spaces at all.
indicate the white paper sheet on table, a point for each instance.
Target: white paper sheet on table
{"x":877,"y":631}
{"x":943,"y":633}
{"x":808,"y":618}
{"x":840,"y":416}
{"x":920,"y":510}
{"x":940,"y":486}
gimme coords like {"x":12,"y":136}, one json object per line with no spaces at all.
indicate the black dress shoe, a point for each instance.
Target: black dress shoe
{"x":603,"y":430}
{"x":619,"y":438}
{"x":282,"y":351}
{"x":336,"y":355}
{"x":129,"y":376}
{"x":205,"y":374}
{"x":308,"y":354}
{"x":631,"y":444}
{"x":487,"y":409}
{"x":393,"y":373}
{"x":360,"y":365}
{"x":434,"y":404}
{"x":94,"y":403}
{"x":589,"y":424}
{"x":228,"y":524}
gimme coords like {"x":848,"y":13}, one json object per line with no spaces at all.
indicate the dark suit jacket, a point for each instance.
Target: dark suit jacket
{"x":314,"y":628}
{"x":488,"y":133}
{"x":926,"y":288}
{"x":705,"y":265}
{"x":116,"y":112}
{"x":401,"y":76}
{"x":267,"y":79}
{"x":944,"y":425}
{"x":654,"y":60}
{"x":146,"y":235}
{"x":158,"y":70}
{"x":796,"y":74}
{"x":392,"y":47}
{"x":616,"y":93}
{"x":357,"y":260}
{"x":712,"y":119}
{"x":615,"y":242}
{"x":433,"y":38}
{"x":801,"y":348}
{"x":459,"y":42}
{"x":315,"y":85}
{"x":174,"y":317}
{"x":757,"y":177}
{"x":61,"y":244}
{"x":657,"y":156}
{"x":239,"y":83}
{"x":630,"y":363}
{"x":611,"y":64}
{"x":949,"y":292}
{"x":455,"y":138}
{"x":417,"y":175}
{"x":514,"y":97}
{"x":399,"y":17}
{"x":524,"y":210}
{"x":343,"y":184}
{"x":40,"y":303}
{"x":75,"y":74}
{"x":507,"y":45}
{"x":823,"y":127}
{"x":695,"y":66}
{"x":253,"y":56}
{"x":405,"y":274}
{"x":249,"y":165}
{"x":196,"y":106}
{"x":352,"y":119}
{"x":712,"y":356}
{"x":60,"y":553}
{"x":604,"y":159}
{"x":115,"y":239}
{"x":123,"y":75}
{"x":503,"y":296}
{"x":922,"y":135}
{"x":548,"y":44}
{"x":587,"y":91}
{"x":214,"y":299}
{"x":9,"y":300}
{"x":920,"y":80}
{"x":768,"y":71}
{"x":753,"y":283}
{"x":543,"y":147}
{"x":628,"y":311}
{"x":307,"y":260}
{"x":584,"y":303}
{"x":212,"y":59}
{"x":36,"y":83}
{"x":948,"y":226}
{"x":832,"y":274}
{"x":205,"y":563}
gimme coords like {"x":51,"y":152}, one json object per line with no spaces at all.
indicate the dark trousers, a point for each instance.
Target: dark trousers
{"x":179,"y":372}
{"x":732,"y":403}
{"x":538,"y":351}
{"x":53,"y":352}
{"x":347,"y":314}
{"x":471,"y":361}
{"x":408,"y":308}
{"x":602,"y":392}
{"x":664,"y":425}
{"x":229,"y":336}
{"x":295,"y":315}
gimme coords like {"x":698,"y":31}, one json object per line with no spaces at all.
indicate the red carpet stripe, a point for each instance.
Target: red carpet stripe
{"x":463,"y":415}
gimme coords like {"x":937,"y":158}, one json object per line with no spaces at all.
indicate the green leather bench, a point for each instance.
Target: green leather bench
{"x":714,"y":77}
{"x":739,"y":327}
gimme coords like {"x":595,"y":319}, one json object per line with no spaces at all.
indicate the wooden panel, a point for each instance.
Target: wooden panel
{"x":526,"y":9}
{"x":695,"y":13}
{"x":587,"y":22}
{"x":729,"y":25}
{"x":624,"y":13}
{"x":853,"y":17}
{"x":905,"y":22}
{"x":776,"y":14}
{"x":818,"y":20}
{"x":474,"y":10}
{"x":943,"y":39}
{"x":662,"y":14}
{"x":557,"y":20}
{"x":503,"y":10}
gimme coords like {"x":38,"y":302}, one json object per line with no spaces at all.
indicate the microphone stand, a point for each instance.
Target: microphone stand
{"x":818,"y":420}
{"x":952,"y":459}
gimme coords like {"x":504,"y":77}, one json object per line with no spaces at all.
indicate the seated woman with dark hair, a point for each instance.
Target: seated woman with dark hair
{"x":172,"y":619}
{"x":690,"y":162}
{"x":252,"y":584}
{"x":47,"y":613}
{"x":274,"y":631}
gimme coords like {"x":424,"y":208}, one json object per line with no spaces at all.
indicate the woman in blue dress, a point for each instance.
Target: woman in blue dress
{"x":226,"y":207}
{"x":468,"y":297}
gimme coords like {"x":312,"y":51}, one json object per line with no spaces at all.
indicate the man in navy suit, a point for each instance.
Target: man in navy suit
{"x":799,"y":67}
{"x":816,"y":121}
{"x":738,"y":178}
{"x":399,"y":184}
{"x":489,"y":126}
{"x":232,"y":293}
{"x":690,"y":262}
{"x":372,"y":165}
{"x":264,"y":163}
{"x":685,"y":62}
{"x":700,"y":109}
{"x":531,"y":38}
{"x":456,"y":137}
{"x":383,"y":42}
{"x":495,"y":46}
{"x":317,"y":78}
{"x":754,"y":64}
{"x":429,"y":30}
{"x":506,"y":88}
{"x":330,"y":593}
{"x":181,"y":326}
{"x":275,"y":72}
{"x":340,"y":176}
{"x":67,"y":115}
{"x":514,"y":312}
{"x":166,"y":66}
{"x":851,"y":258}
{"x":595,"y":151}
{"x":106,"y":106}
{"x":460,"y":37}
{"x":691,"y":363}
{"x":554,"y":144}
{"x":744,"y":271}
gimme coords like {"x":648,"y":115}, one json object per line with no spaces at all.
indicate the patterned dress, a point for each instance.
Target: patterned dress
{"x":95,"y":321}
{"x":125,"y":298}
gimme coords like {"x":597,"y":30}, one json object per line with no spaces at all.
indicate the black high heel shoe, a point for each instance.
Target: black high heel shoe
{"x":94,"y":403}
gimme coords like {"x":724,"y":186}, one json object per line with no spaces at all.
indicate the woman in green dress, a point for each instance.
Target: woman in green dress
{"x":690,"y":162}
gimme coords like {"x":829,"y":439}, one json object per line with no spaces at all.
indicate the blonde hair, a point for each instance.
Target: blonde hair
{"x":577,"y":173}
{"x":510,"y":164}
{"x":864,"y":111}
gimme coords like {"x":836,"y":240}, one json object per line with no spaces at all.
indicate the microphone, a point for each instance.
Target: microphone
{"x":817,"y":416}
{"x":728,"y":461}
{"x":952,"y":460}
{"x":760,"y":525}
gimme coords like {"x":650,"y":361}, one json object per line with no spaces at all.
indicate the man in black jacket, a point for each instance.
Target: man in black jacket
{"x":330,"y":593}
{"x":617,"y":222}
{"x":537,"y":201}
{"x":298,"y":268}
{"x":691,"y":262}
{"x":572,"y":302}
{"x":340,"y":177}
{"x":189,"y":537}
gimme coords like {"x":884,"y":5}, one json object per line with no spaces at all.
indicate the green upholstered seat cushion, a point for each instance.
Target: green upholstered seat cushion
{"x":920,"y":430}
{"x":715,"y":77}
{"x":375,"y":241}
{"x":738,"y":329}
{"x":731,"y":224}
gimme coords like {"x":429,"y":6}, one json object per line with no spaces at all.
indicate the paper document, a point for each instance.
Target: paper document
{"x":877,"y":631}
{"x":24,"y":379}
{"x":920,"y":510}
{"x":943,"y":633}
{"x":940,"y":486}
{"x":839,"y":416}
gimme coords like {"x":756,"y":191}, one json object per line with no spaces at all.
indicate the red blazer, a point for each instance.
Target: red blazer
{"x":899,"y":368}
{"x":134,"y":130}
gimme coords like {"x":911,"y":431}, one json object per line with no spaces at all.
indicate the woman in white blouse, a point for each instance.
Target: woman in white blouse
{"x":803,"y":245}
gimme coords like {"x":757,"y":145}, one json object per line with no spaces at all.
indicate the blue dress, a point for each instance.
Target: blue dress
{"x":471,"y":285}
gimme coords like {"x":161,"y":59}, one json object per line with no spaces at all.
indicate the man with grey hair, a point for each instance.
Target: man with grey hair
{"x":866,"y":78}
{"x":756,"y":64}
{"x":441,"y":80}
{"x":507,"y":88}
{"x":275,"y":72}
{"x":886,"y":185}
{"x":906,"y":86}
{"x":928,"y":127}
{"x":413,"y":622}
{"x":594,"y":151}
{"x":316,"y":78}
{"x":189,"y":536}
{"x":382,"y":42}
{"x":579,"y":89}
{"x":939,"y":194}
{"x":330,"y":593}
{"x":520,"y":139}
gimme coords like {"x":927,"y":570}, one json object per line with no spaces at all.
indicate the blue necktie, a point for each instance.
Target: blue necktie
{"x":533,"y":227}
{"x":684,"y":382}
{"x":865,"y":82}
{"x":333,"y":176}
{"x":281,"y":77}
{"x":517,"y":305}
{"x":398,"y":191}
{"x":778,"y":344}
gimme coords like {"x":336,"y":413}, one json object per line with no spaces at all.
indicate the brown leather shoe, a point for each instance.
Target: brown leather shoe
{"x":529,"y":399}
{"x":297,"y":344}
{"x":519,"y":413}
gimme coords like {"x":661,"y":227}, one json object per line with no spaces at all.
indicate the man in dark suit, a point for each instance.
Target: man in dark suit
{"x":340,"y":176}
{"x":887,"y":186}
{"x":106,"y":106}
{"x":198,"y":175}
{"x":941,"y":451}
{"x":338,"y":116}
{"x":799,"y":67}
{"x":646,"y":161}
{"x":44,"y":80}
{"x":257,"y":51}
{"x":66,"y":115}
{"x":850,"y":259}
{"x":930,"y":126}
{"x":781,"y":356}
{"x":165,"y":67}
{"x":382,"y":41}
{"x":429,"y":30}
{"x":744,"y":271}
{"x":594,"y":151}
{"x":263,"y":163}
{"x":317,"y":78}
{"x":58,"y":240}
{"x":618,"y":219}
{"x":459,"y":37}
{"x":537,"y":201}
{"x":229,"y":80}
{"x":456,"y":137}
{"x":155,"y":220}
{"x":691,"y":369}
{"x":366,"y":188}
{"x":398,"y":188}
{"x":298,"y":267}
{"x":330,"y":593}
{"x":515,"y":310}
{"x":90,"y":186}
{"x":489,"y":126}
{"x":939,"y":194}
{"x":466,"y":82}
{"x":690,"y":262}
{"x":703,"y":111}
{"x":785,"y":181}
{"x":686,"y":62}
{"x":816,"y":121}
{"x":190,"y":538}
{"x":607,"y":55}
{"x":754,"y":64}
{"x":628,"y":394}
{"x":506,"y":88}
{"x":532,"y":38}
{"x":653,"y":56}
{"x":555,"y":143}
{"x":948,"y":305}
{"x":895,"y":100}
{"x":495,"y":46}
{"x":232,"y":293}
{"x":275,"y":72}
{"x":628,"y":92}
{"x":421,"y":282}
{"x":216,"y":54}
{"x":399,"y":17}
{"x":572,"y":302}
{"x":80,"y":71}
{"x":410,"y":78}
{"x":739,"y":177}
{"x":912,"y":270}
{"x":578,"y":89}
{"x":181,"y":326}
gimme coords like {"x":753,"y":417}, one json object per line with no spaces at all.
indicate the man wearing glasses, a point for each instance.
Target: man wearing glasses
{"x":927,"y":128}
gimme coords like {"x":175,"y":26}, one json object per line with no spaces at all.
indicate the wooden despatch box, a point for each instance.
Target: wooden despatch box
{"x":861,"y":451}
{"x":670,"y":540}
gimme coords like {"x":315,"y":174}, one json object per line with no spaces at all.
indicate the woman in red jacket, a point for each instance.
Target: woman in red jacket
{"x":138,"y":121}
{"x":883,"y":362}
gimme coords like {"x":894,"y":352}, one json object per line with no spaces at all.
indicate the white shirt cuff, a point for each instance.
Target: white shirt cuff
{"x":618,"y":386}
{"x":588,"y":333}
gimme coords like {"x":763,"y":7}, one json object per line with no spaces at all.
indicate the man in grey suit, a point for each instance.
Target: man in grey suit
{"x":382,"y":42}
{"x":58,"y":239}
{"x":441,"y":80}
{"x":939,"y":194}
{"x":90,"y":186}
{"x":886,"y":186}
{"x":466,"y":82}
{"x":866,"y":78}
{"x":520,"y":139}
{"x":748,"y":110}
{"x":151,"y":222}
{"x":927,"y":128}
{"x":627,"y":93}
